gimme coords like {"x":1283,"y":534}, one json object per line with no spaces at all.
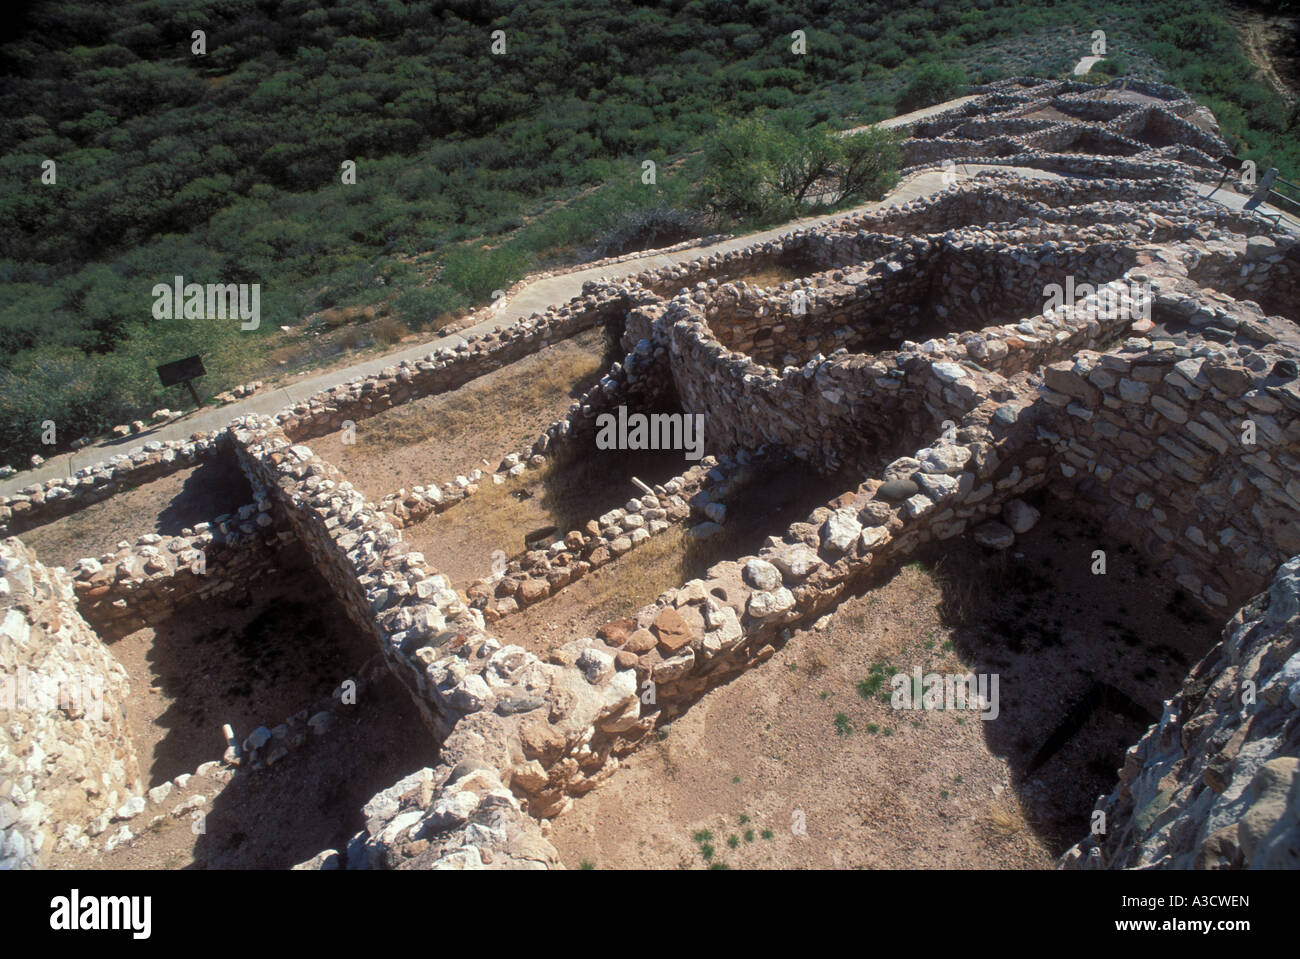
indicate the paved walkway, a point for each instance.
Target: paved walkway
{"x":1230,"y":198}
{"x":534,"y":298}
{"x":1087,"y":63}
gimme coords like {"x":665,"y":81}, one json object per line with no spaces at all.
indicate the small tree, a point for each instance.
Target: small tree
{"x":869,"y":163}
{"x":738,"y":169}
{"x":807,"y":159}
{"x":932,"y":83}
{"x":759,"y":171}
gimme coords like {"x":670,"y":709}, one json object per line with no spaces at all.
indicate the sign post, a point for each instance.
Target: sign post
{"x":183,"y":371}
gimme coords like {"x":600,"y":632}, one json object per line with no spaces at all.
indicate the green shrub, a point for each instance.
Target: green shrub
{"x":931,"y":83}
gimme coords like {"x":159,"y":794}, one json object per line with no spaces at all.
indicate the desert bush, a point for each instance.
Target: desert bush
{"x":932,"y":83}
{"x":475,"y":272}
{"x":81,"y":396}
{"x":429,"y":307}
{"x":388,"y":330}
{"x":762,"y":170}
{"x":646,"y":228}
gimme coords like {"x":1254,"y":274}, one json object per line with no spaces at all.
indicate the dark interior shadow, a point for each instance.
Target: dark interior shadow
{"x":255,"y":656}
{"x":311,"y":800}
{"x":216,"y":486}
{"x":1084,"y":660}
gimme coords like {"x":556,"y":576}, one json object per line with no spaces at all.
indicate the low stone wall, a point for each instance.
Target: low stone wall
{"x":445,"y":369}
{"x":927,"y":287}
{"x":42,"y":503}
{"x":147,"y":582}
{"x":66,"y":757}
{"x":1213,"y":784}
{"x":1097,"y":131}
{"x":700,"y":635}
{"x":843,"y":408}
{"x":639,"y":381}
{"x":539,"y":574}
{"x":483,"y":702}
{"x":1267,"y":271}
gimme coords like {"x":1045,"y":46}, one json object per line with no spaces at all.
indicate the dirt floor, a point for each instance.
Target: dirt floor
{"x":277,"y":817}
{"x":810,"y":738}
{"x":432,"y":440}
{"x":565,"y":494}
{"x":244,"y":664}
{"x":610,"y":592}
{"x":166,"y":506}
{"x":1046,"y":113}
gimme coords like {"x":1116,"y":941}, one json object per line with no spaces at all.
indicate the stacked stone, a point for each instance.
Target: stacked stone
{"x":66,"y":756}
{"x":693,"y":638}
{"x":1213,"y":784}
{"x":1048,"y":337}
{"x":42,"y":503}
{"x":1266,"y":270}
{"x":267,"y":745}
{"x":540,"y":573}
{"x":638,"y":382}
{"x":146,"y":582}
{"x":1155,"y":431}
{"x":981,"y":131}
{"x":484,"y":703}
{"x":830,"y":411}
{"x":446,"y":368}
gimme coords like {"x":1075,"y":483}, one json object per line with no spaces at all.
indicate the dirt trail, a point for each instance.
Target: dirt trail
{"x":1257,"y":33}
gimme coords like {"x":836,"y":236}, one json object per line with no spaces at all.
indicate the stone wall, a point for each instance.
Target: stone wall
{"x":1215,"y":783}
{"x":639,"y":381}
{"x":702,"y":634}
{"x":66,"y":757}
{"x":844,"y":407}
{"x":540,"y":573}
{"x":929,"y":286}
{"x":484,"y":703}
{"x":446,"y":368}
{"x":1153,"y":433}
{"x":1096,"y":135}
{"x":42,"y":503}
{"x":147,"y":582}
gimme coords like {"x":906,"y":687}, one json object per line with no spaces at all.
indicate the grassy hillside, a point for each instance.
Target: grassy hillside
{"x":472,"y":167}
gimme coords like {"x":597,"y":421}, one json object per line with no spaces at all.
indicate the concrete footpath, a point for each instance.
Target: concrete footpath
{"x":535,"y":297}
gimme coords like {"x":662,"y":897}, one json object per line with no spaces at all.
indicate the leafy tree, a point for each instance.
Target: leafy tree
{"x":931,"y":83}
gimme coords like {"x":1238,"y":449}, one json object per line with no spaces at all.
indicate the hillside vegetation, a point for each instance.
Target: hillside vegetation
{"x":471,"y":167}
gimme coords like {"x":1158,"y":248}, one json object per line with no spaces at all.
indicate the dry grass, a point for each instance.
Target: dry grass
{"x":638,"y":577}
{"x":1005,"y":822}
{"x":772,"y":276}
{"x":611,"y":592}
{"x":388,"y":331}
{"x":967,"y":593}
{"x":564,"y":493}
{"x":338,"y":316}
{"x":490,"y":411}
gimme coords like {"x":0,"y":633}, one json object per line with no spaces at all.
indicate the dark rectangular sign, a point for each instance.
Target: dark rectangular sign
{"x":178,"y":371}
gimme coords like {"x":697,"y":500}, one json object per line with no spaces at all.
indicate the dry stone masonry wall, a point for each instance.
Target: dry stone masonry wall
{"x":925,"y":361}
{"x":66,"y":758}
{"x":1214,"y":784}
